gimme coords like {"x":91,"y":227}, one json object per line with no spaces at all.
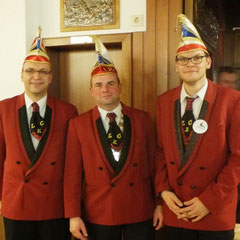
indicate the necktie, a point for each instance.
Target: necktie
{"x":37,"y":124}
{"x":114,"y":133}
{"x":187,"y":120}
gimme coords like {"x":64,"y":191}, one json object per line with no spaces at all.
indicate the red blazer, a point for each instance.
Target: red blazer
{"x":31,"y":183}
{"x":109,"y":197}
{"x":210,"y":168}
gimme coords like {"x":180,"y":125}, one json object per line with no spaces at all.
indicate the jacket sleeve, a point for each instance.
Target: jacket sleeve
{"x":73,"y":173}
{"x":215,"y":195}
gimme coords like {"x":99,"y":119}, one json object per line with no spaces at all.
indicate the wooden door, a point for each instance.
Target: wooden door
{"x":72,"y":65}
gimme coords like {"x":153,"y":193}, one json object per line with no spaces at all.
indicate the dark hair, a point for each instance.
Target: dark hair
{"x":226,"y":69}
{"x":118,"y":81}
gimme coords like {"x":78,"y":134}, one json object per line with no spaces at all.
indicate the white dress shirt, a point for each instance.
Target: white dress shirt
{"x":118,"y":119}
{"x":42,"y":109}
{"x":197,"y":103}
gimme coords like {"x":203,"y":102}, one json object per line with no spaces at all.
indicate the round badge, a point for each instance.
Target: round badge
{"x":200,"y":126}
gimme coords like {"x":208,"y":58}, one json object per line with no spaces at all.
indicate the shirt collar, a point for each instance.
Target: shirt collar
{"x":117,"y":111}
{"x":200,"y":94}
{"x":41,"y":103}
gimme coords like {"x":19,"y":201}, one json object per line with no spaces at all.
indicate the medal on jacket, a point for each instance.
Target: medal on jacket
{"x":200,"y":126}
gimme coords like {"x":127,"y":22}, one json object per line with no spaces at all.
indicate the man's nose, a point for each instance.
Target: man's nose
{"x":190,"y":63}
{"x":105,"y":87}
{"x":36,"y":74}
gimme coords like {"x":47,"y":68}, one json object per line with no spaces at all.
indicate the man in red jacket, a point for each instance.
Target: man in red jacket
{"x":109,"y":165}
{"x":33,"y":129}
{"x":198,"y":135}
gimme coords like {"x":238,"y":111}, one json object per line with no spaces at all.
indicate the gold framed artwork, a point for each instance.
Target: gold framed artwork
{"x":83,"y":15}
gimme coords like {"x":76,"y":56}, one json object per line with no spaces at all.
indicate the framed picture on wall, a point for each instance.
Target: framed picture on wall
{"x":83,"y":15}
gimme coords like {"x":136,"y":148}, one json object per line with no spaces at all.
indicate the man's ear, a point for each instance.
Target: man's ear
{"x":91,"y":90}
{"x":208,"y":62}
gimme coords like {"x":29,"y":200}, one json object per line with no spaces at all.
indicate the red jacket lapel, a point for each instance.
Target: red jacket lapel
{"x":176,"y":97}
{"x":95,"y":116}
{"x":19,"y":104}
{"x":127,"y":112}
{"x":210,"y":99}
{"x":50,"y":104}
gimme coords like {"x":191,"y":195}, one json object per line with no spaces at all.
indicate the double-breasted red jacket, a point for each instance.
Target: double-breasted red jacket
{"x":31,"y":182}
{"x":111,"y":194}
{"x":210,"y":167}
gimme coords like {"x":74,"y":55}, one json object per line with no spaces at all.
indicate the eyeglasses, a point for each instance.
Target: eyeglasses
{"x":42,"y":73}
{"x":183,"y":61}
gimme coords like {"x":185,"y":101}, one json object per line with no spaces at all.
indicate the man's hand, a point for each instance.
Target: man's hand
{"x":172,"y":201}
{"x":78,"y":229}
{"x":194,"y":210}
{"x":158,"y":217}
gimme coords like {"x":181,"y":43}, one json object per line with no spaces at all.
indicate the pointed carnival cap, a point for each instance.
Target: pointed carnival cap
{"x":37,"y":52}
{"x":104,"y":64}
{"x":190,"y":38}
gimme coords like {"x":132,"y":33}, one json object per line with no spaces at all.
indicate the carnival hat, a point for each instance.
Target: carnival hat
{"x":37,"y":52}
{"x":190,"y":38}
{"x":104,"y":63}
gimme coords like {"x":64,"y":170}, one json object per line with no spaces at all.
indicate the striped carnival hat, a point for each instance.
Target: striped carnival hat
{"x":190,"y":38}
{"x":37,"y":52}
{"x":104,"y":64}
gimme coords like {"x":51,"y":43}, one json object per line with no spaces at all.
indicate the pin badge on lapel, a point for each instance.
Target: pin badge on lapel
{"x":200,"y":126}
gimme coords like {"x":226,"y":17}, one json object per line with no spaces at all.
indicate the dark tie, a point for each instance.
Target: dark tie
{"x":37,"y":124}
{"x":114,"y":133}
{"x":188,"y":120}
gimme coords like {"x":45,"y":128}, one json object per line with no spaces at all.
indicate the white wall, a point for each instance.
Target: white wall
{"x":50,"y":18}
{"x":19,"y":21}
{"x":12,"y":46}
{"x":31,"y":20}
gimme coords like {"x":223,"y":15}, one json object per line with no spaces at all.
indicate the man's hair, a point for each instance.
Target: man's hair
{"x":49,"y":65}
{"x":226,"y":69}
{"x":118,"y":80}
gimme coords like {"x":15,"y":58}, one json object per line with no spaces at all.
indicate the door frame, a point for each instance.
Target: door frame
{"x":54,"y":45}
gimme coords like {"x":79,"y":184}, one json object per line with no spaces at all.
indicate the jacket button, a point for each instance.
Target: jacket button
{"x":193,"y":186}
{"x":45,"y":183}
{"x":179,"y":183}
{"x":112,"y":185}
{"x":17,"y":162}
{"x":131,"y":184}
{"x":26,"y":180}
{"x":202,"y":168}
{"x":172,"y":162}
{"x":100,"y":168}
{"x":135,"y":164}
{"x":52,"y":163}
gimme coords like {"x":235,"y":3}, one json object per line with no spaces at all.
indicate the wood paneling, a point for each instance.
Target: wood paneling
{"x":162,"y":45}
{"x":149,"y":53}
{"x":153,"y":54}
{"x":137,"y":57}
{"x":149,"y":58}
{"x":175,"y":8}
{"x":189,"y":9}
